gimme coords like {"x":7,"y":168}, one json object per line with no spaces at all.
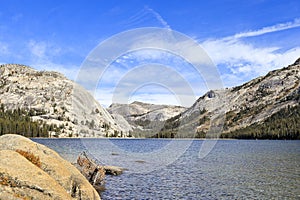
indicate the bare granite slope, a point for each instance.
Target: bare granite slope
{"x":242,"y":106}
{"x":55,"y":99}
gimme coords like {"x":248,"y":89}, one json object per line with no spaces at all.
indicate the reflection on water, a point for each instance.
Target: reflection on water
{"x":235,"y":169}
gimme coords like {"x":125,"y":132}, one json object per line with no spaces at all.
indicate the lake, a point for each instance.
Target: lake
{"x":173,"y":169}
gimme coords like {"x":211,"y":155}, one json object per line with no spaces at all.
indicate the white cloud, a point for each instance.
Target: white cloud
{"x":246,"y":61}
{"x":269,"y":29}
{"x":42,"y":49}
{"x":42,"y":56}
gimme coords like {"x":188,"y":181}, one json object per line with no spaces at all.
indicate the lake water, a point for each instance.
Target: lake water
{"x":172,"y":169}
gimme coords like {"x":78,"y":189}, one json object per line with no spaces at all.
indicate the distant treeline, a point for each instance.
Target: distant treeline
{"x":182,"y":128}
{"x":284,"y":124}
{"x":18,"y":121}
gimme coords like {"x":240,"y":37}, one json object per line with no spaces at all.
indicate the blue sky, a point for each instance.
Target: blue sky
{"x":244,"y":39}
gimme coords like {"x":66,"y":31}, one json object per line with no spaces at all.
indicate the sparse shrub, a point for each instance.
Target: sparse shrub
{"x":4,"y":180}
{"x":31,"y":157}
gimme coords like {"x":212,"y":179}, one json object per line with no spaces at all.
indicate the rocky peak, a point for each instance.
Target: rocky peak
{"x":297,"y":62}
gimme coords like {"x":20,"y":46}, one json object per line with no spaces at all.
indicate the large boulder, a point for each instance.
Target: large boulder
{"x":19,"y":178}
{"x":52,"y":178}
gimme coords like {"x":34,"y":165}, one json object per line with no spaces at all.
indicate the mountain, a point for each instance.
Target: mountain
{"x":139,"y":117}
{"x":37,"y":103}
{"x":266,"y":107}
{"x":40,"y":103}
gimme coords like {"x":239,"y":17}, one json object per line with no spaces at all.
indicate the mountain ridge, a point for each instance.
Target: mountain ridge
{"x":49,"y":97}
{"x":227,"y":111}
{"x":250,"y":103}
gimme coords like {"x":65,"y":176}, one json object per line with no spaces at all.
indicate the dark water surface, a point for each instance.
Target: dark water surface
{"x":234,"y":169}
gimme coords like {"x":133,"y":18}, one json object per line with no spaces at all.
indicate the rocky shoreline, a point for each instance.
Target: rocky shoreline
{"x":29,"y":170}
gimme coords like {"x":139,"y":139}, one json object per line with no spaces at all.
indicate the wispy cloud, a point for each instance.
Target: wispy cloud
{"x":42,"y":49}
{"x":43,"y":56}
{"x":3,"y":49}
{"x":158,"y":17}
{"x":147,"y":17}
{"x":268,"y":29}
{"x":145,"y":47}
{"x":244,"y":61}
{"x":37,"y":49}
{"x":151,"y":81}
{"x":238,"y":61}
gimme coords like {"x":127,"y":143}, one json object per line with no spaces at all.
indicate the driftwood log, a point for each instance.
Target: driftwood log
{"x":93,"y":172}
